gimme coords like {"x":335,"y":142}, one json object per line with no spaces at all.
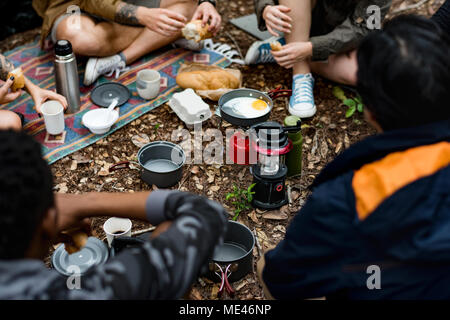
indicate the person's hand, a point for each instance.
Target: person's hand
{"x":208,"y":13}
{"x":276,"y":19}
{"x":5,"y":95}
{"x":41,"y":95}
{"x":69,"y":211}
{"x":161,"y":228}
{"x":163,"y":21}
{"x":292,"y":53}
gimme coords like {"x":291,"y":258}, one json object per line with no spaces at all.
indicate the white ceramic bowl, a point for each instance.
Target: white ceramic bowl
{"x":98,"y":122}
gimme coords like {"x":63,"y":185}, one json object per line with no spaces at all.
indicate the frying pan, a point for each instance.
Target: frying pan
{"x":238,"y":120}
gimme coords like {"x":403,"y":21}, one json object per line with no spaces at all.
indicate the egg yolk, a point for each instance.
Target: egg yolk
{"x":259,"y":105}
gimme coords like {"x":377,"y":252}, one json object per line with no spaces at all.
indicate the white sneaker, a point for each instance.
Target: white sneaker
{"x":189,"y":44}
{"x":103,"y":66}
{"x":301,"y":103}
{"x":260,"y":51}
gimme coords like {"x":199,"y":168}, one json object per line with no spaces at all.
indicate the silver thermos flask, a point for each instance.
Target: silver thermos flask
{"x":67,"y":81}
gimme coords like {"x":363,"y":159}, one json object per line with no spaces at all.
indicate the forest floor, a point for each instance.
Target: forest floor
{"x":326,"y":135}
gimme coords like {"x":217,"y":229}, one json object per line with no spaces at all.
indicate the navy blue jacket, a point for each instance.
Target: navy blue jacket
{"x":347,"y":225}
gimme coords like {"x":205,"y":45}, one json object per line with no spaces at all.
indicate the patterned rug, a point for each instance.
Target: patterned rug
{"x":38,"y":67}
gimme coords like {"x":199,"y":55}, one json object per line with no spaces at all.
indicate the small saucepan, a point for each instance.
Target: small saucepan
{"x":161,"y":163}
{"x":236,"y":108}
{"x":234,"y":258}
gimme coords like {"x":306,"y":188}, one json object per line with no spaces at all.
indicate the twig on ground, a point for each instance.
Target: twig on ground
{"x":258,"y":245}
{"x":185,"y":178}
{"x":139,"y":232}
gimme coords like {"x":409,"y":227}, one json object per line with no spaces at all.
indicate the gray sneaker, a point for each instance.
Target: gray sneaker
{"x":103,"y":66}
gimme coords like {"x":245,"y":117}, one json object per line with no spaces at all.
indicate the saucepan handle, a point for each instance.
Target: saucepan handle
{"x":119,"y":166}
{"x":279,"y":93}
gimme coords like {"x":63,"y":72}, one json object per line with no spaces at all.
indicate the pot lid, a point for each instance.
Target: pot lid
{"x":103,"y":94}
{"x":95,"y":252}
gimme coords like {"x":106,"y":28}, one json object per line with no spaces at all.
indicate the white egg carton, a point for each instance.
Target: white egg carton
{"x":189,"y":107}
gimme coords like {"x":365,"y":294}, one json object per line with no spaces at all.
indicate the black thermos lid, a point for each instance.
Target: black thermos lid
{"x":63,"y":48}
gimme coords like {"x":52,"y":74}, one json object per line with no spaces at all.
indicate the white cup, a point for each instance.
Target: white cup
{"x":53,"y":112}
{"x":148,"y":84}
{"x":113,"y":225}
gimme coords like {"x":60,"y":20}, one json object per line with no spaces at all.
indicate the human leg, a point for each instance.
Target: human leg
{"x":10,"y":120}
{"x":340,"y":68}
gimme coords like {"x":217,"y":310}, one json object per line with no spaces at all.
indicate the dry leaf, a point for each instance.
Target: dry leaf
{"x":195,"y":170}
{"x":80,"y":158}
{"x":62,"y":187}
{"x":338,"y":147}
{"x":241,"y":285}
{"x":199,"y":186}
{"x":195,"y":294}
{"x":214,"y":292}
{"x":252,"y":215}
{"x":324,"y":149}
{"x":275,"y":215}
{"x":74,"y":165}
{"x":279,"y":228}
{"x":214,"y":188}
{"x":140,"y":140}
{"x":103,"y":172}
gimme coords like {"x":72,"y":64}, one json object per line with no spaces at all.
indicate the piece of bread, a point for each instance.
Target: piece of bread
{"x":19,"y":79}
{"x":78,"y":238}
{"x":199,"y":77}
{"x":194,"y":31}
{"x":276,"y":46}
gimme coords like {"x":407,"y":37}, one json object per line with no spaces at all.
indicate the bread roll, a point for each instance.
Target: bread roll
{"x":207,"y":80}
{"x":276,"y":46}
{"x":194,"y":31}
{"x":79,"y":240}
{"x":19,"y":79}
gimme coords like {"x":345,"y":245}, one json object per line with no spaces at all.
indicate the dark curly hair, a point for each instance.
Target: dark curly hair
{"x":404,"y":73}
{"x":25,"y":192}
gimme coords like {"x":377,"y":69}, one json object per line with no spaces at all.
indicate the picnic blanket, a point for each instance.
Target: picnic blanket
{"x":38,"y":67}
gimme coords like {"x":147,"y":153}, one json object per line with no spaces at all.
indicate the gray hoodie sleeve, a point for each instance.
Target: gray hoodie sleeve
{"x":161,"y":268}
{"x":348,"y":35}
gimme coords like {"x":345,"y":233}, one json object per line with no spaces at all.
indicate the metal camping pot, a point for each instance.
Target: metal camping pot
{"x":233,"y":259}
{"x":161,"y":163}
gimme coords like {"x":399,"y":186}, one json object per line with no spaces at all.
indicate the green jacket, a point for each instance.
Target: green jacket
{"x":345,"y":36}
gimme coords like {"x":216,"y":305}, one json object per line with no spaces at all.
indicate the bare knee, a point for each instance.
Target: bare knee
{"x":82,"y":41}
{"x":184,"y":7}
{"x":346,"y":67}
{"x":10,"y":120}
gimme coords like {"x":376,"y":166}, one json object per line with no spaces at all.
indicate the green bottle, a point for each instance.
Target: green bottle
{"x":294,"y":157}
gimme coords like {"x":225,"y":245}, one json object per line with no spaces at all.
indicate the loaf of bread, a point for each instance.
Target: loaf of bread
{"x":276,"y":46}
{"x":201,"y":77}
{"x":194,"y":31}
{"x":19,"y":79}
{"x":78,"y":240}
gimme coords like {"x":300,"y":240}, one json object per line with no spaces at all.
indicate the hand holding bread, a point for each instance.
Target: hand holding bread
{"x":19,"y":79}
{"x":195,"y":31}
{"x":276,"y":46}
{"x":74,"y":240}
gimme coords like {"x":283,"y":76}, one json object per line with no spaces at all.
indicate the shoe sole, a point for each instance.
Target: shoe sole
{"x":303,"y":114}
{"x":90,"y":69}
{"x":253,"y":48}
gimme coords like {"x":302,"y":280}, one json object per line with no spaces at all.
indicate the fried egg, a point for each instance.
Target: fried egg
{"x":247,"y":107}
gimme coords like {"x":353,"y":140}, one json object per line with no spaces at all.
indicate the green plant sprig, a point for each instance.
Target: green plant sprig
{"x":241,"y":199}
